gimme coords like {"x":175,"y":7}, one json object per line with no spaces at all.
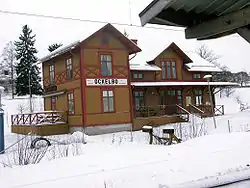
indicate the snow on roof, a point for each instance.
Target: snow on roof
{"x":144,"y":67}
{"x":183,"y":84}
{"x":200,"y":64}
{"x":60,"y":51}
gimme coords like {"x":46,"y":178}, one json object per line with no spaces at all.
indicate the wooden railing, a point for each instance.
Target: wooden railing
{"x":219,"y":110}
{"x":206,"y":110}
{"x":161,"y":110}
{"x":40,"y":118}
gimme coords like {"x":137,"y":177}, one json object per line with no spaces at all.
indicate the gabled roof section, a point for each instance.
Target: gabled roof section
{"x":132,"y":47}
{"x":59,"y":51}
{"x":144,"y":67}
{"x":200,"y":65}
{"x":177,"y":50}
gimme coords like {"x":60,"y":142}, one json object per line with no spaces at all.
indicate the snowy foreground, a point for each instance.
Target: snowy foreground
{"x":202,"y":162}
{"x":122,"y":160}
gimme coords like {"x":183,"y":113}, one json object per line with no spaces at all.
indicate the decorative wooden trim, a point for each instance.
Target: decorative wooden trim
{"x":122,"y":70}
{"x":83,"y":85}
{"x":60,"y":78}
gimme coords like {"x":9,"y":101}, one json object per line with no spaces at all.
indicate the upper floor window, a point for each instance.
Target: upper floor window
{"x":196,"y":76}
{"x":69,"y":69}
{"x":168,"y":70}
{"x":106,"y":65}
{"x":138,"y":75}
{"x":108,"y":100}
{"x":198,"y":97}
{"x":51,"y":73}
{"x":71,"y":103}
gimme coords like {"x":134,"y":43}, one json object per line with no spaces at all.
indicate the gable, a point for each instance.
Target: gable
{"x":105,"y":40}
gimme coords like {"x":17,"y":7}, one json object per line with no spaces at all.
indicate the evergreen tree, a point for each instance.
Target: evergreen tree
{"x":27,"y":70}
{"x":53,"y":47}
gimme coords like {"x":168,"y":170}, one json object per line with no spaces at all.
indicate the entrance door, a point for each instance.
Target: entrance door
{"x":188,"y":100}
{"x":171,"y":102}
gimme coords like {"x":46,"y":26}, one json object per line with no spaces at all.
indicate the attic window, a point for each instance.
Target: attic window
{"x":105,"y":40}
{"x":196,"y":76}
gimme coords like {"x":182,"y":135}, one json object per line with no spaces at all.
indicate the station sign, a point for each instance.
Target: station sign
{"x":106,"y":82}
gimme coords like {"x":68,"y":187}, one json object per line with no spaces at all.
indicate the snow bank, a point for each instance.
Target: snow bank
{"x":145,"y":166}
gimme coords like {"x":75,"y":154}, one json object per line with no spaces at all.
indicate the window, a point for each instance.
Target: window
{"x":198,"y":97}
{"x":106,"y":65}
{"x":53,"y":103}
{"x":179,"y":97}
{"x":138,"y":75}
{"x":196,"y":76}
{"x":6,"y":72}
{"x":71,"y":103}
{"x":51,"y":73}
{"x":108,"y":101}
{"x":139,"y":99}
{"x":162,"y":97}
{"x":168,"y":70}
{"x":105,"y":40}
{"x":69,"y":70}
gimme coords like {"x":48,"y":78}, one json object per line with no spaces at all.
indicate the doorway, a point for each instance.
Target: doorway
{"x":169,"y":100}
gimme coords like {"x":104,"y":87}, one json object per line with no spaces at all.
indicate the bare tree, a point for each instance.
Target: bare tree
{"x":207,"y":54}
{"x":225,"y":75}
{"x":7,"y":65}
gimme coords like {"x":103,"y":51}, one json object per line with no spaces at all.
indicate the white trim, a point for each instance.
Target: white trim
{"x":54,"y":94}
{"x":141,"y":84}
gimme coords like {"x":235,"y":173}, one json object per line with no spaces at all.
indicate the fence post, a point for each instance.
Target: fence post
{"x":1,"y":131}
{"x":229,"y":128}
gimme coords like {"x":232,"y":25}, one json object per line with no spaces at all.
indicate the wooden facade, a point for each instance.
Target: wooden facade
{"x":88,"y":84}
{"x":91,"y":81}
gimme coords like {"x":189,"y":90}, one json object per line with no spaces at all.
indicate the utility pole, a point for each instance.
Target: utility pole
{"x":211,"y":100}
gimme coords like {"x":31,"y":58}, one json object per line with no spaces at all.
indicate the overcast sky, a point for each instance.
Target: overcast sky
{"x":234,"y":51}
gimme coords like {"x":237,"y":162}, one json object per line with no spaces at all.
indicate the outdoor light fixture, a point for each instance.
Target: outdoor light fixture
{"x":208,"y":76}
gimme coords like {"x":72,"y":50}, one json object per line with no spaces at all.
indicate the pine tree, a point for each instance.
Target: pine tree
{"x":27,"y":70}
{"x":53,"y":47}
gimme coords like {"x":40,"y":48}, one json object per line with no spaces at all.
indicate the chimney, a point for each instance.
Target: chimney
{"x":134,"y":40}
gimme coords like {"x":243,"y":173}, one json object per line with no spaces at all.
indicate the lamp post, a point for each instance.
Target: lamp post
{"x":207,"y":77}
{"x":30,"y":92}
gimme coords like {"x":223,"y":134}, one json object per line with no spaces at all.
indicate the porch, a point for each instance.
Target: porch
{"x":159,"y":115}
{"x":42,"y":123}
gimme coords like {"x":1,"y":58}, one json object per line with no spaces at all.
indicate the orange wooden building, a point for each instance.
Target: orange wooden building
{"x":92,"y":83}
{"x":90,"y":80}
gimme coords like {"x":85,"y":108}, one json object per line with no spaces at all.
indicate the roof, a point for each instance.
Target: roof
{"x":188,"y":13}
{"x":142,"y":84}
{"x":177,"y":50}
{"x":144,"y":67}
{"x":201,"y":65}
{"x":132,"y":46}
{"x":60,"y":50}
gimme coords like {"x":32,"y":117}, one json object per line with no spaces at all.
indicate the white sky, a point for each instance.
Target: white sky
{"x":234,"y":51}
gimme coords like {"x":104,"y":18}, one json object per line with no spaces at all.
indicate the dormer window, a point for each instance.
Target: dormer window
{"x":137,"y":75}
{"x":196,"y":76}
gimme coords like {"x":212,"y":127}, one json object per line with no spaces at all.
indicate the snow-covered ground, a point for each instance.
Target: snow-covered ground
{"x":126,"y":160}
